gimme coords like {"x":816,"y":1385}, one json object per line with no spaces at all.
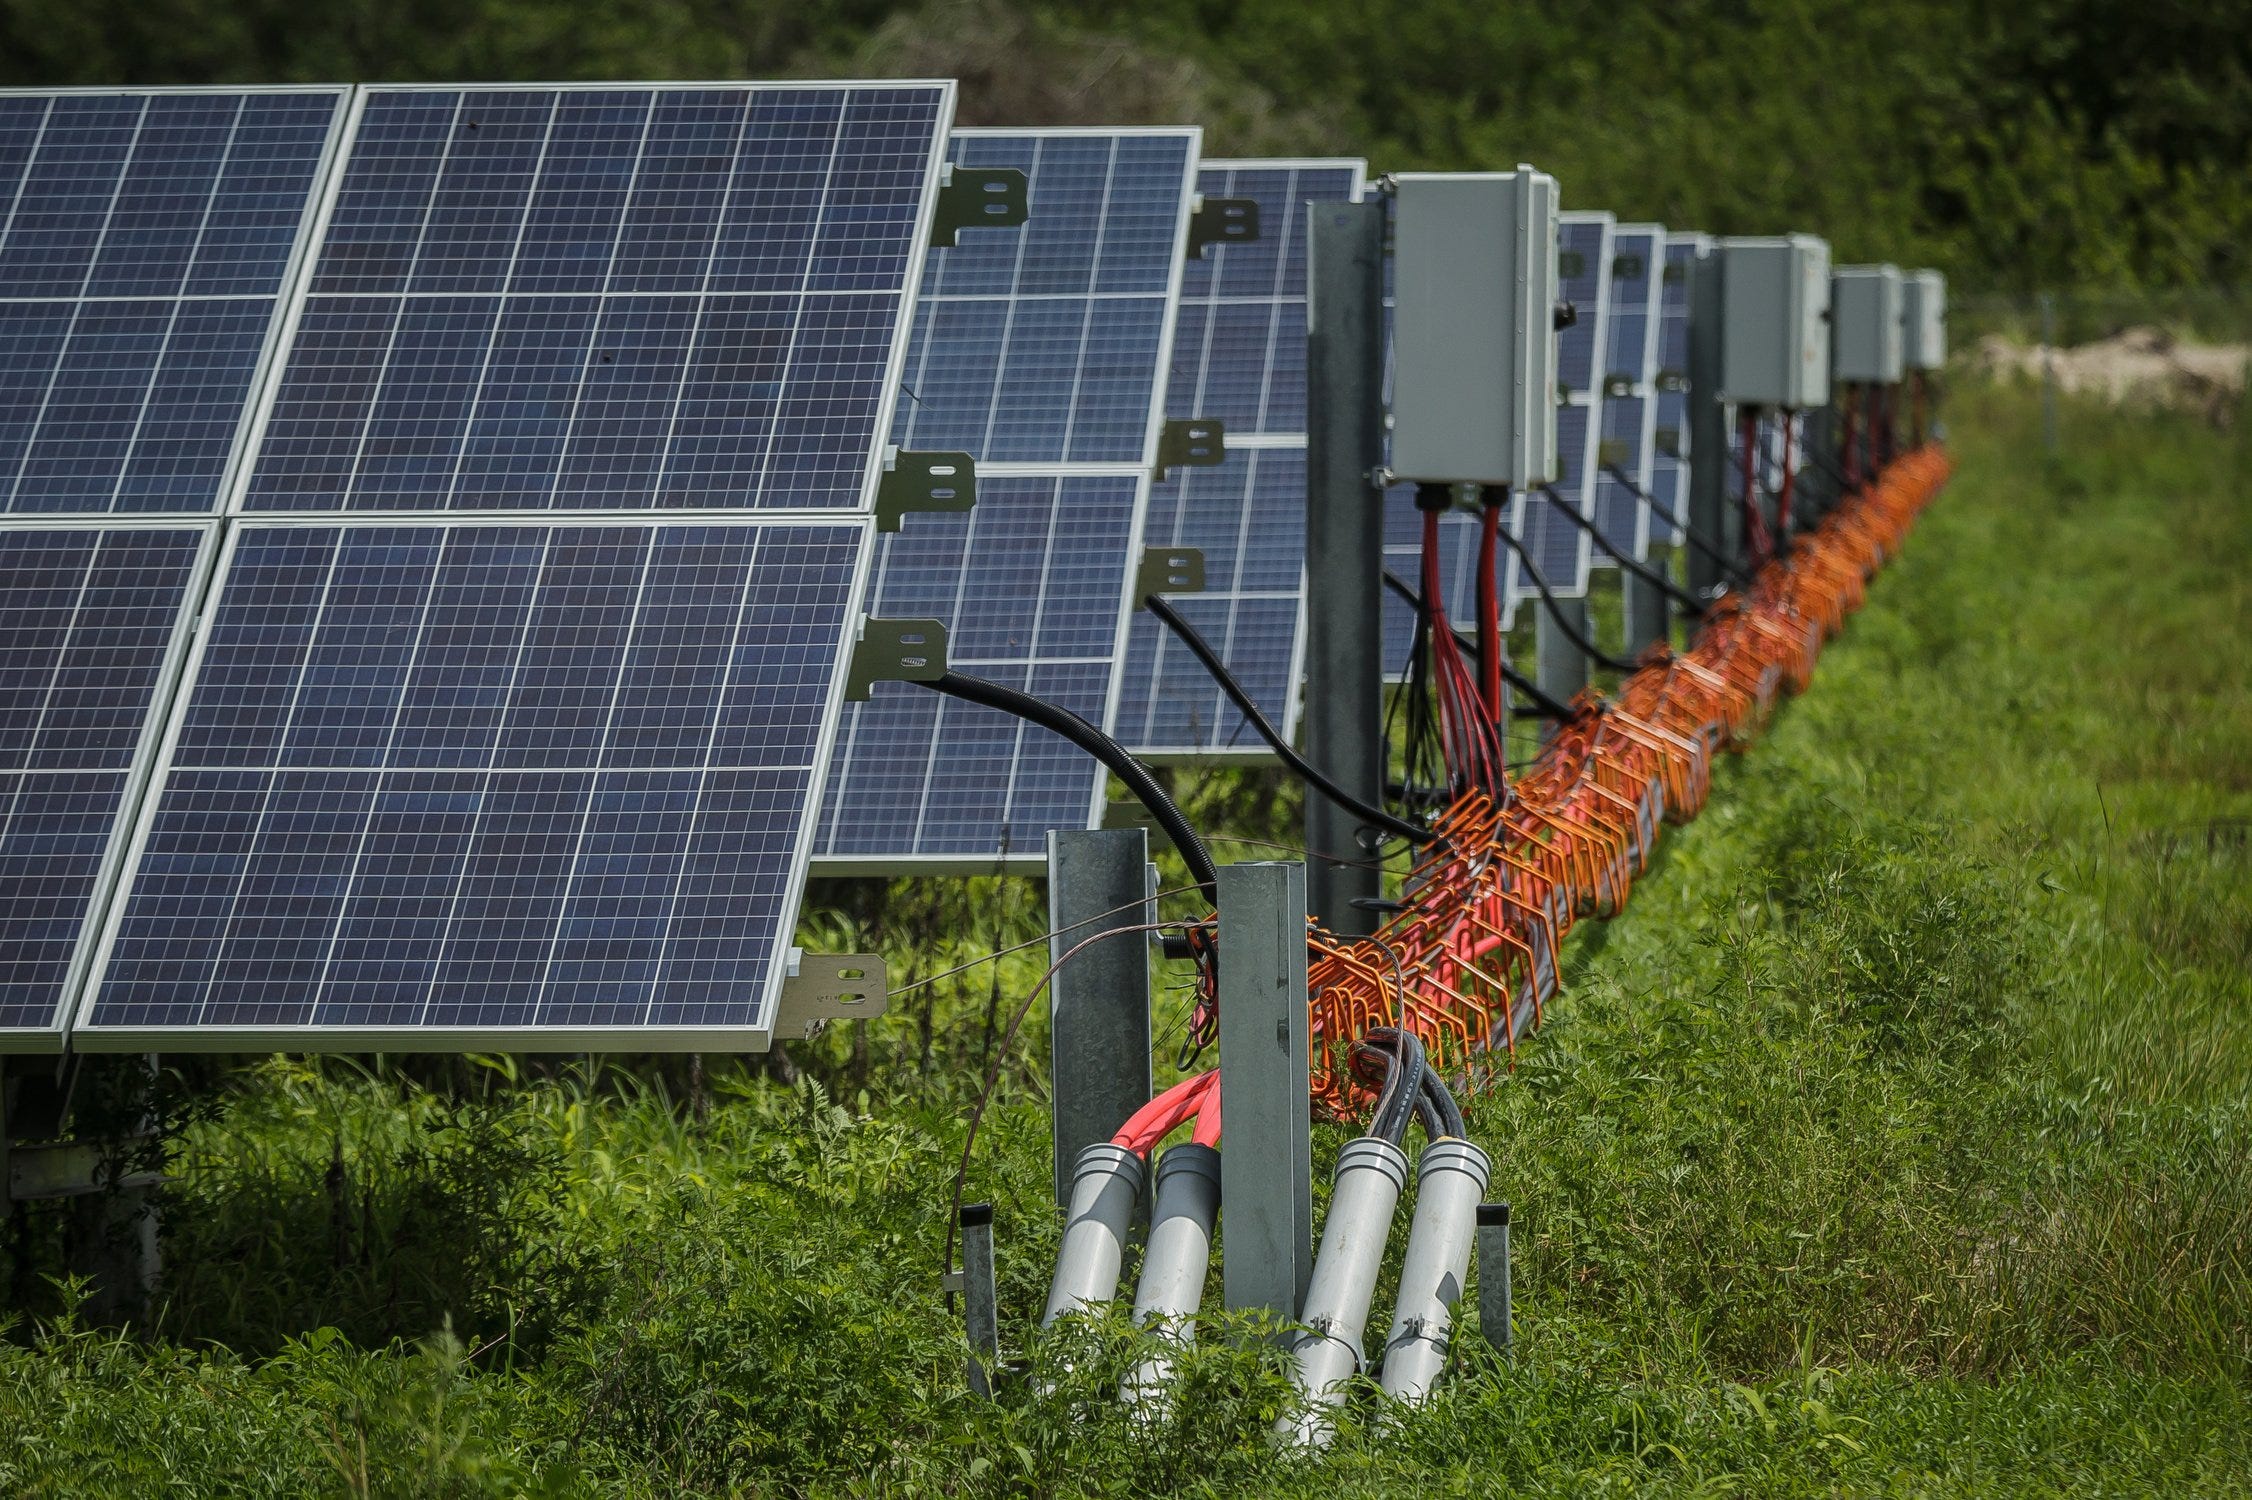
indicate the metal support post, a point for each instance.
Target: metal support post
{"x":1562,"y":667}
{"x":1817,"y":490}
{"x":1710,"y":514}
{"x":1494,"y":1311}
{"x":1649,"y":612}
{"x":1267,"y":1170}
{"x":1098,"y":1004}
{"x":1344,"y":548}
{"x":981,"y":1301}
{"x":2048,"y":373}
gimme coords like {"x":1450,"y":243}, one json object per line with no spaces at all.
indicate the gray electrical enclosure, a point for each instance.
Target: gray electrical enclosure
{"x":1923,"y":320}
{"x":1865,"y":331}
{"x":1775,"y":329}
{"x":1474,"y":327}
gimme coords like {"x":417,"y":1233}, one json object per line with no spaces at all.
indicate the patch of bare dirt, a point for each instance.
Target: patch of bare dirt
{"x":2138,"y":365}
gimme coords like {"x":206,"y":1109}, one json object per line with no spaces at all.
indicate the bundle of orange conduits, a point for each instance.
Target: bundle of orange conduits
{"x":1471,"y":959}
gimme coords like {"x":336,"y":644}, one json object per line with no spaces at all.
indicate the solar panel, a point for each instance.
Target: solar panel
{"x":1629,"y":385}
{"x":1560,"y":550}
{"x":90,"y":621}
{"x":1239,"y":358}
{"x":1458,"y":573}
{"x":1040,"y":351}
{"x":603,"y":298}
{"x":146,"y":240}
{"x":1669,"y":468}
{"x":459,"y":779}
{"x":497,"y":783}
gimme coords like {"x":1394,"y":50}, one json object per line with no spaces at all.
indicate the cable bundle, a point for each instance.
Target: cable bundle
{"x":1468,"y":963}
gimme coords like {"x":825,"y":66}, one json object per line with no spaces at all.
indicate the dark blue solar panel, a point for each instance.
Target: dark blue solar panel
{"x":1248,"y":515}
{"x":1625,"y":444}
{"x":1458,"y":572}
{"x":1583,"y":274}
{"x":144,"y":241}
{"x":1030,"y":585}
{"x":1560,"y":549}
{"x":1636,"y":276}
{"x":1239,"y":357}
{"x":1045,"y":344}
{"x":607,"y":299}
{"x":87,"y":620}
{"x":1669,"y":469}
{"x":487,"y":783}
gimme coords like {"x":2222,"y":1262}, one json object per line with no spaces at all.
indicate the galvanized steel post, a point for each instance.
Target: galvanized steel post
{"x":1710,"y":515}
{"x":1344,"y":547}
{"x":1266,"y":1172}
{"x":1098,"y":1004}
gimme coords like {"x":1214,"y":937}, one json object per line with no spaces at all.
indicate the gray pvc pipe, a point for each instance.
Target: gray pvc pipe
{"x":1106,"y":1183}
{"x":1174,"y":1266}
{"x":1371,"y":1172}
{"x":1450,"y":1179}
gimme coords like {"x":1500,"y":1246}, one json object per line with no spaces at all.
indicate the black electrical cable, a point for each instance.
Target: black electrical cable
{"x":1636,"y":566}
{"x":1395,"y":1060}
{"x":1305,"y":769}
{"x":1587,"y":647}
{"x":1103,"y":748}
{"x":1695,"y":539}
{"x":1542,"y":705}
{"x":1440,"y":1103}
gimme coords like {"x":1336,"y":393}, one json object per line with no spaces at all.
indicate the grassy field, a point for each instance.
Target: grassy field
{"x":1896,"y":1140}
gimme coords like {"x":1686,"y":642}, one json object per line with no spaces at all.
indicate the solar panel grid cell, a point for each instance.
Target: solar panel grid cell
{"x":88,"y":620}
{"x":1628,"y":411}
{"x":145,"y":240}
{"x":1239,"y":357}
{"x":454,"y":780}
{"x":605,"y":299}
{"x":1041,"y":352}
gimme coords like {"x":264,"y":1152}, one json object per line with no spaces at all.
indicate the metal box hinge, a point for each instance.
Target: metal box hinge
{"x":923,"y":482}
{"x":1169,"y":570}
{"x":895,"y":651}
{"x":979,"y":198}
{"x":822,"y":987}
{"x":1190,"y":443}
{"x":1222,"y":221}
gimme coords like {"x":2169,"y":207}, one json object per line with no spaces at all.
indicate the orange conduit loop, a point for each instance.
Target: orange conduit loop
{"x":1471,"y":958}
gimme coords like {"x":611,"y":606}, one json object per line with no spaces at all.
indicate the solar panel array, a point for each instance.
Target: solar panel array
{"x":439,"y":777}
{"x":1239,"y":358}
{"x":1041,"y":352}
{"x":1669,"y":468}
{"x":1629,"y":390}
{"x":1561,"y":550}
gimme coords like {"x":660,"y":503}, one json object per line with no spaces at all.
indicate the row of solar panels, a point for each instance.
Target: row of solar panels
{"x":437,"y":521}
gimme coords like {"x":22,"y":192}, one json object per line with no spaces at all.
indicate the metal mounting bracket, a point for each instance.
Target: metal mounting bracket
{"x":1190,"y":443}
{"x":979,"y":198}
{"x":1169,"y":570}
{"x":1668,"y":440}
{"x":895,"y":651}
{"x":1222,"y":221}
{"x":823,"y":987}
{"x":923,"y":482}
{"x":1618,"y":385}
{"x":1610,"y":451}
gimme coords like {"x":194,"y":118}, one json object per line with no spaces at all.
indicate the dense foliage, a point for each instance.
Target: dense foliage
{"x":1892,"y":1141}
{"x":2021,"y":144}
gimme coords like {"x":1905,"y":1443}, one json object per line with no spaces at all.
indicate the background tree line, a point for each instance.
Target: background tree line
{"x":2017,"y":143}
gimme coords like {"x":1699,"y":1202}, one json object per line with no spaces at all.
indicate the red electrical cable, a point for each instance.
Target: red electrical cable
{"x":1755,"y":520}
{"x":1163,"y":1115}
{"x":1783,"y":495}
{"x":1489,"y":609}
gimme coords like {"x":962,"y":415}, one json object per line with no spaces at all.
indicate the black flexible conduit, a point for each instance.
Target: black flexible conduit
{"x":1587,"y":647}
{"x":1103,"y":748}
{"x":1306,"y":771}
{"x":1543,"y":705}
{"x":1694,"y":538}
{"x":1636,"y":566}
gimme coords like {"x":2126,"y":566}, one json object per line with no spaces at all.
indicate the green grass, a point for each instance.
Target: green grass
{"x":1896,"y":1140}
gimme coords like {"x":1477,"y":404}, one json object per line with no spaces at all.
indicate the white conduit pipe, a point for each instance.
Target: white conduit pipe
{"x":1174,"y":1266}
{"x":1106,"y":1183}
{"x":1371,"y":1172}
{"x":1450,"y":1182}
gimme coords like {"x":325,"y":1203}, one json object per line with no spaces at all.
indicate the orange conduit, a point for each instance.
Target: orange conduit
{"x":1470,"y":960}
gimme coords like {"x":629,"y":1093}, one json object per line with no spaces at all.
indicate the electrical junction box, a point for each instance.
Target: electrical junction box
{"x":1865,"y":332}
{"x":1474,"y":327}
{"x":1923,"y":320}
{"x":1775,"y":321}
